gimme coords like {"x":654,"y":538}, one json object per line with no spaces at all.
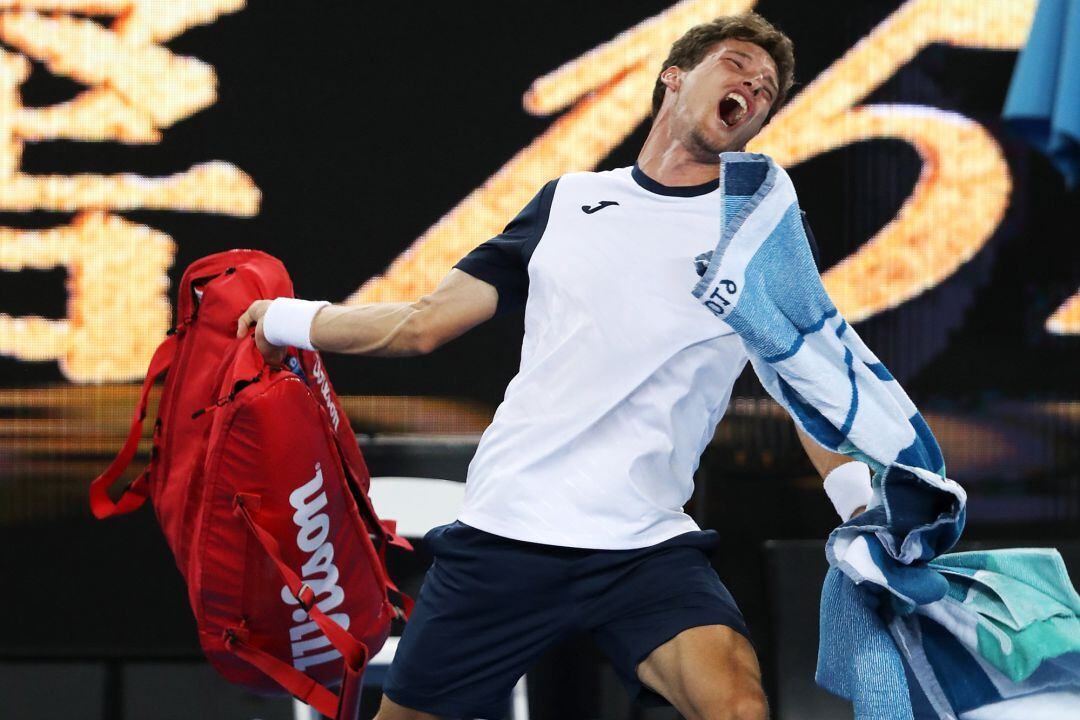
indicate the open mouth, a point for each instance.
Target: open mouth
{"x":732,"y":109}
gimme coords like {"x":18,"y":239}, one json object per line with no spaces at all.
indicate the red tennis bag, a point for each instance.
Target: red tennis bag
{"x":262,"y":494}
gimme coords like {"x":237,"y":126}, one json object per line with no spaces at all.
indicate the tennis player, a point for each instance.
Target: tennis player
{"x":573,"y":515}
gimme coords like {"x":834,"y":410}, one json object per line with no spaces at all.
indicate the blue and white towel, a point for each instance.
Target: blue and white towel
{"x":906,"y":631}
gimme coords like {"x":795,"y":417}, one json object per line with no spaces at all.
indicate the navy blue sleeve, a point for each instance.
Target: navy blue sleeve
{"x":503,"y":261}
{"x":811,"y":240}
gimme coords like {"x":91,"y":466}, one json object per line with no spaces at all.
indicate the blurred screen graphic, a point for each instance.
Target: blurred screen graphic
{"x":370,"y":148}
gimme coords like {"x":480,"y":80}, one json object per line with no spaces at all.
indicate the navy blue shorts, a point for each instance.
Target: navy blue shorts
{"x":490,"y":606}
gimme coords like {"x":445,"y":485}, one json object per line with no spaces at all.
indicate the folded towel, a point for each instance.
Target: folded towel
{"x":1043,"y":104}
{"x":888,"y":613}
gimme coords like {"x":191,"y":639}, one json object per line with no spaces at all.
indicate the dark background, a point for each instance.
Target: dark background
{"x":362,"y":126}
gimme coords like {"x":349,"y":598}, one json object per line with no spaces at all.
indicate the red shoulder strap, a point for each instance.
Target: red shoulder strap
{"x":135,"y":494}
{"x":302,"y":687}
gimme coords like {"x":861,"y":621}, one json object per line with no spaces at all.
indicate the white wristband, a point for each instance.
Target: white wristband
{"x":287,"y":322}
{"x":849,"y":488}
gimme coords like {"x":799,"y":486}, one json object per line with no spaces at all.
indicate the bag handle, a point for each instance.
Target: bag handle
{"x":135,"y":494}
{"x":353,"y":652}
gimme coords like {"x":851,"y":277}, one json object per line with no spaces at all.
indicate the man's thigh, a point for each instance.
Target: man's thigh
{"x":707,"y":672}
{"x":647,"y":597}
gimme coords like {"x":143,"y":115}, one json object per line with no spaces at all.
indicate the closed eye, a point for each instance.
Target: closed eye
{"x":768,"y":92}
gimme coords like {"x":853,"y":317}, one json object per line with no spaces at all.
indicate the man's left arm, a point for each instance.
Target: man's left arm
{"x":847,"y":481}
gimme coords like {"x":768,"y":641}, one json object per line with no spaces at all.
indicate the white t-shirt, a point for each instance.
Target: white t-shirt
{"x":624,"y":374}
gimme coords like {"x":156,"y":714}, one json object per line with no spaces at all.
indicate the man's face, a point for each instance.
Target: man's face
{"x":723,"y":101}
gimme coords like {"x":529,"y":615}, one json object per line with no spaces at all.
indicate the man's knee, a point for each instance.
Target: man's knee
{"x":750,"y":706}
{"x":745,"y":705}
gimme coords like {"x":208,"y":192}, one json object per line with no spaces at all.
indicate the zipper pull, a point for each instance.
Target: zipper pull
{"x":210,"y":408}
{"x":226,"y":399}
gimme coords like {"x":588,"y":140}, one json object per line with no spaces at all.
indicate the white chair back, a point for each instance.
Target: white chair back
{"x":418,"y":504}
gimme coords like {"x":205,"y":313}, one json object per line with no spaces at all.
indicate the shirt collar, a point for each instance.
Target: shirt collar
{"x":653,"y":186}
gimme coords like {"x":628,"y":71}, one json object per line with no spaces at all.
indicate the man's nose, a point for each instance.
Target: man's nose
{"x":755,"y":87}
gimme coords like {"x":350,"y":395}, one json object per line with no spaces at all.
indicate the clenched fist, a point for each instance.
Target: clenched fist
{"x":254,"y":316}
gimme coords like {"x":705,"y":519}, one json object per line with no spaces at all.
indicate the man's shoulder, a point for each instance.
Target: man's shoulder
{"x":591,"y":179}
{"x":599,"y":176}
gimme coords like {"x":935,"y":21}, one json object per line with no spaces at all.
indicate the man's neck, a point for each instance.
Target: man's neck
{"x":668,"y":161}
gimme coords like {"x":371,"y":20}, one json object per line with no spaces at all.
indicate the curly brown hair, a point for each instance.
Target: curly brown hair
{"x":695,"y":44}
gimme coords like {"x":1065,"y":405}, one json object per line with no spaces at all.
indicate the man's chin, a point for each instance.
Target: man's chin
{"x":707,"y":147}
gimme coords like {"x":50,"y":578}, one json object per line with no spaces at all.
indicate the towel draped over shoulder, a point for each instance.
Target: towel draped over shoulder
{"x":907,"y":630}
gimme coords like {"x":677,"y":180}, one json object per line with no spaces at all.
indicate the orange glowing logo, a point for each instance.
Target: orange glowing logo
{"x":117,"y":302}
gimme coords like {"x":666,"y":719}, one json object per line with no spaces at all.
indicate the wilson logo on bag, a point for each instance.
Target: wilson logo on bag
{"x":312,"y":538}
{"x":262,"y":494}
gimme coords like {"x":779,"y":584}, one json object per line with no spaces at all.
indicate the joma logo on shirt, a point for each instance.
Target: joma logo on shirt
{"x":600,"y":206}
{"x":319,"y":573}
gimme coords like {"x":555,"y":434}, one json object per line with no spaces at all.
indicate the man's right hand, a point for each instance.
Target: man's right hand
{"x":273,"y":354}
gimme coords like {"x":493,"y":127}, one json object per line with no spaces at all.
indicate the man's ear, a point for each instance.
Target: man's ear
{"x":671,"y":77}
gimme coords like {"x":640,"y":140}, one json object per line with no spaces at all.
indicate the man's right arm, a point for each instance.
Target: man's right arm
{"x":493,"y":278}
{"x":459,"y":303}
